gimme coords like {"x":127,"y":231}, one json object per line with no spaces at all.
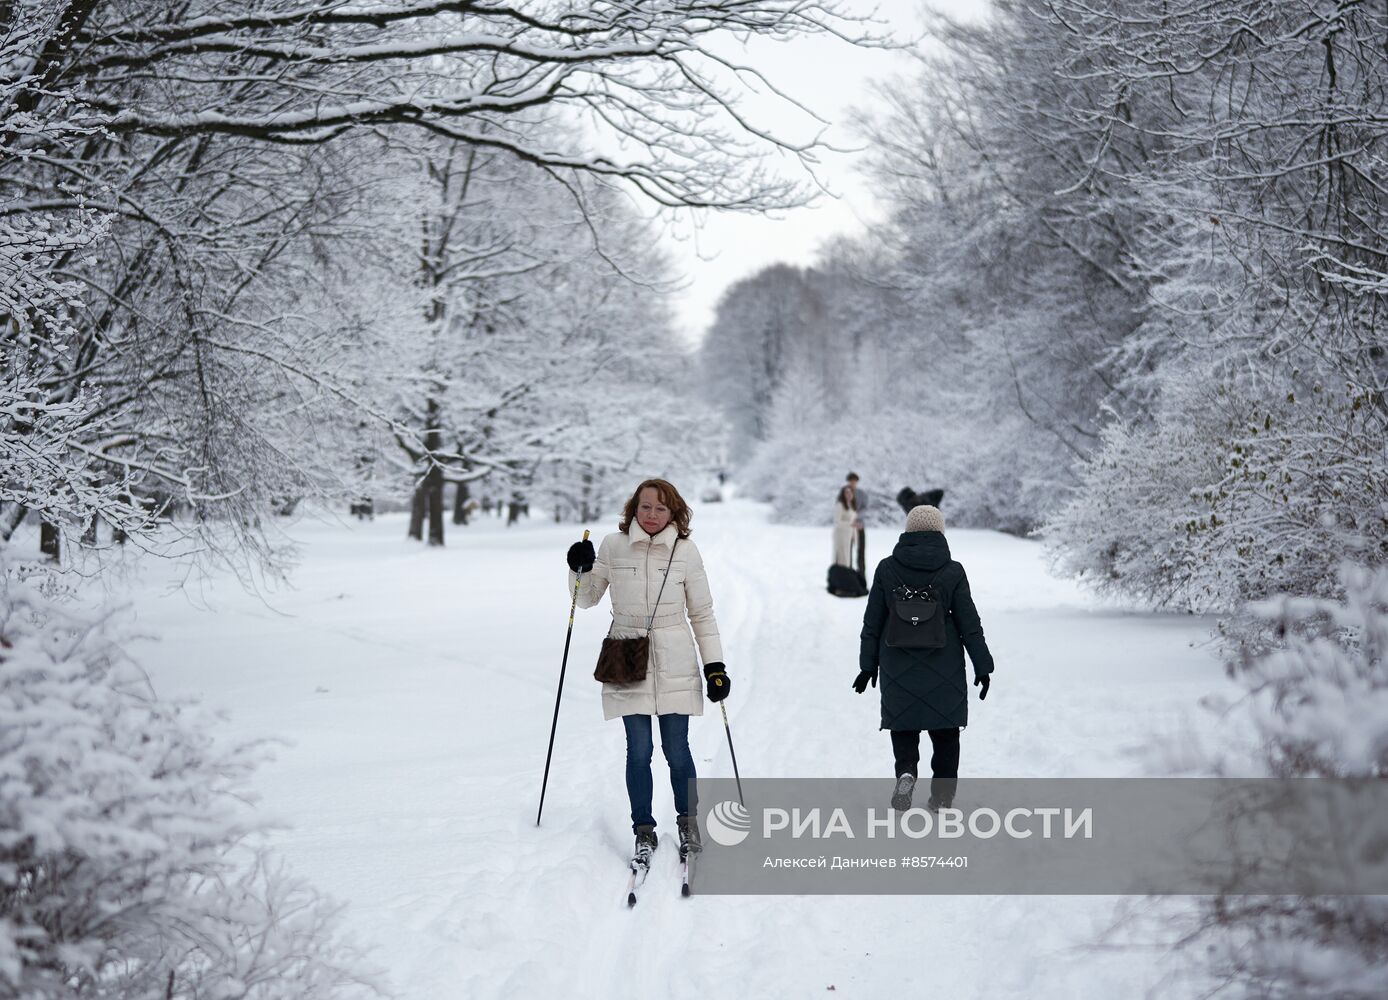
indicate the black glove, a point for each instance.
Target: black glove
{"x":861,"y":682}
{"x":581,"y":556}
{"x":981,"y":679}
{"x":719,"y":683}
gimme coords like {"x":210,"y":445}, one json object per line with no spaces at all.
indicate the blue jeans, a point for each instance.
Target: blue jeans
{"x":674,"y":742}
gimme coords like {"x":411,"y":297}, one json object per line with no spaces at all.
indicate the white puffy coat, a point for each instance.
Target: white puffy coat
{"x":845,"y":534}
{"x":633,"y":566}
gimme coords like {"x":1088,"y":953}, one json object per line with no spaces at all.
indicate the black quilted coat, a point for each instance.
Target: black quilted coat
{"x":924,"y":688}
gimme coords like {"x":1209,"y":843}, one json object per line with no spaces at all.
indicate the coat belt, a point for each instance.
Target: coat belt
{"x":639,"y":621}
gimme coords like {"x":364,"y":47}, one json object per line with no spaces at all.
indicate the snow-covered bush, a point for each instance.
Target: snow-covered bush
{"x":1314,"y":705}
{"x":130,"y":865}
{"x":1230,"y":496}
{"x":1123,"y":529}
{"x":1317,"y":685}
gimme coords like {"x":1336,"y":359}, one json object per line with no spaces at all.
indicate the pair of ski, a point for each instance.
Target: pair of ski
{"x":639,"y":872}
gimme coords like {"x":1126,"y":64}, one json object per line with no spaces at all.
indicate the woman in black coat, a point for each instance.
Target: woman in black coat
{"x":924,"y":689}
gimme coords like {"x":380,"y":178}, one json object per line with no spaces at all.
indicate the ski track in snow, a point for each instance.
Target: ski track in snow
{"x":416,"y":689}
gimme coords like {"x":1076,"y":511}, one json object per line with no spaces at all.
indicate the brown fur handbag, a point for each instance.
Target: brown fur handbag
{"x":624,"y":661}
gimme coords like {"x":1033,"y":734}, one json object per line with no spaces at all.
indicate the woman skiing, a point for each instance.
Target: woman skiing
{"x":657,"y":579}
{"x":923,"y":688}
{"x":846,"y":521}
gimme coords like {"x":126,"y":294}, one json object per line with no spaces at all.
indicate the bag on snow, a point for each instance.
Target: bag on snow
{"x":917,"y":618}
{"x":624,"y":661}
{"x":845,"y":581}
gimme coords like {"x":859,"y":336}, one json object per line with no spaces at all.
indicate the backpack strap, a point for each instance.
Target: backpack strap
{"x":931,"y":584}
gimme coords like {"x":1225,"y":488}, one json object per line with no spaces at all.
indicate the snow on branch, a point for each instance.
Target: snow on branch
{"x":646,"y":78}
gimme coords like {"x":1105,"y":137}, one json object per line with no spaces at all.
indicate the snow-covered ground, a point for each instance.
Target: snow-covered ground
{"x":415,"y":689}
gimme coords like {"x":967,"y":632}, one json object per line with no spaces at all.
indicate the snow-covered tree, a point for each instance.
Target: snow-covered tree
{"x":544,"y":357}
{"x":235,"y":149}
{"x":49,"y":468}
{"x":652,"y":74}
{"x":1254,"y":350}
{"x":1129,"y":292}
{"x":761,"y":324}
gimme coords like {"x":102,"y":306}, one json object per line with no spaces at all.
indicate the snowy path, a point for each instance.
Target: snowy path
{"x":416,"y":688}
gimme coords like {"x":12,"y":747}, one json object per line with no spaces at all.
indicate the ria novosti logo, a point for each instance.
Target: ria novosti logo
{"x":729,"y":823}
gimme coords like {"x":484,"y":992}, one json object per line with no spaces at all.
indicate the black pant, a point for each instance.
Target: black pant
{"x":944,"y":758}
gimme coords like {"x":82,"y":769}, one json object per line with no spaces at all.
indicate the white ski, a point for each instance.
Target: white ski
{"x":633,"y":884}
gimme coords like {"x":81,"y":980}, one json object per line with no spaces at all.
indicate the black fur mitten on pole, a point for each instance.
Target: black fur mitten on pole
{"x":719,"y":683}
{"x":581,"y":556}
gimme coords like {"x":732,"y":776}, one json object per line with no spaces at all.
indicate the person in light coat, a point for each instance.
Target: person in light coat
{"x":652,"y":548}
{"x":846,"y":521}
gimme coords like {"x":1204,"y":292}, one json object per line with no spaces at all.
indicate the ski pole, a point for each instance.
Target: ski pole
{"x":563,"y":665}
{"x":727,"y":729}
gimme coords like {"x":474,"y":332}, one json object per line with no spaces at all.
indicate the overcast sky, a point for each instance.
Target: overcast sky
{"x":830,"y":77}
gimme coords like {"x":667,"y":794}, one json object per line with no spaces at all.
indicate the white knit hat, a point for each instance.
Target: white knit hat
{"x":925,"y":518}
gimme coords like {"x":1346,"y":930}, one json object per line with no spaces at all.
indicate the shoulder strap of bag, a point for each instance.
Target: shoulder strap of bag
{"x":651,"y":620}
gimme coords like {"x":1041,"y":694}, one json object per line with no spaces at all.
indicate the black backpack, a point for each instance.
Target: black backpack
{"x":916,"y":616}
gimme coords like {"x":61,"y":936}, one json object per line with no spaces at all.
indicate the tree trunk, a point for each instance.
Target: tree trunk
{"x":435,"y":484}
{"x":585,"y":513}
{"x":417,"y":513}
{"x":49,"y":540}
{"x":461,"y":496}
{"x":433,"y":479}
{"x":11,"y":519}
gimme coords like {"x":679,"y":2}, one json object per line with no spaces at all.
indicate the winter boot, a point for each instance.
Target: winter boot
{"x":901,"y":798}
{"x":690,"y":841}
{"x":942,"y":793}
{"x":646,"y":843}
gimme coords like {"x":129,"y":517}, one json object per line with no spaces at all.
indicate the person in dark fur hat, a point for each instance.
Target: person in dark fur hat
{"x":909,"y":499}
{"x":924,"y":689}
